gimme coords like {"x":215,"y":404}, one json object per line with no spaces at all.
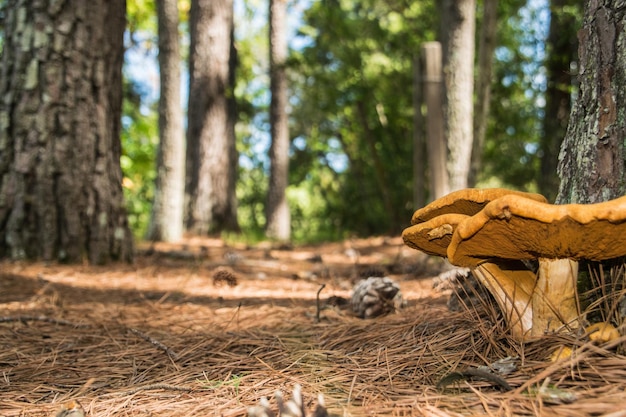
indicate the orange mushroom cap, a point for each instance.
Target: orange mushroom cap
{"x":515,"y":227}
{"x":433,"y":236}
{"x":468,"y":201}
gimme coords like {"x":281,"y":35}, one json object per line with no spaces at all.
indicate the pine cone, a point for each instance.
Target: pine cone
{"x":224,"y":276}
{"x":291,"y":408}
{"x":376,"y":296}
{"x":261,"y":410}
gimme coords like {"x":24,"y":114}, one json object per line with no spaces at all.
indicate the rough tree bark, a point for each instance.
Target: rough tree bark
{"x":591,"y":161}
{"x":486,"y":48}
{"x":60,"y":108}
{"x":211,"y":204}
{"x":561,"y":52}
{"x":277,"y":211}
{"x":167,"y":213}
{"x":459,"y":21}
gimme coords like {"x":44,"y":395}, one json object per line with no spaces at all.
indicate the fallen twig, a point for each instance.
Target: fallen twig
{"x":319,"y":307}
{"x":166,"y":387}
{"x":470,"y":373}
{"x":155,"y":342}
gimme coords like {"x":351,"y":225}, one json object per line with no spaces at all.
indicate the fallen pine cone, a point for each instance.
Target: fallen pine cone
{"x":376,"y":296}
{"x":292,"y":408}
{"x":224,"y":276}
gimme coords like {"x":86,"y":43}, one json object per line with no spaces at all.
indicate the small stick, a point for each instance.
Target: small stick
{"x":166,"y":387}
{"x":317,"y":316}
{"x":155,"y":342}
{"x":494,"y":379}
{"x":351,"y":389}
{"x":236,"y":315}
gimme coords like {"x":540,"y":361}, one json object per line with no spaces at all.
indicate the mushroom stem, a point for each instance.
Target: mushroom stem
{"x":511,"y":284}
{"x":554,"y":298}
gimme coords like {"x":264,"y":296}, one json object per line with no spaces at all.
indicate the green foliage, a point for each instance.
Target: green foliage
{"x":141,"y":18}
{"x":352,"y":89}
{"x":3,"y":7}
{"x":310,"y":201}
{"x":514,"y":127}
{"x":251,"y":192}
{"x":139,"y":144}
{"x":140,"y":118}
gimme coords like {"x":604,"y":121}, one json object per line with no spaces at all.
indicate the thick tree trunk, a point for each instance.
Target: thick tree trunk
{"x":591,"y":162}
{"x":167,"y":213}
{"x":211,"y":153}
{"x":278,"y":216}
{"x":459,"y":19}
{"x":61,"y":96}
{"x":486,"y":48}
{"x":561,"y":52}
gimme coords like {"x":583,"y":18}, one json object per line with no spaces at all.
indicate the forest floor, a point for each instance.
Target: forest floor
{"x":208,"y":329}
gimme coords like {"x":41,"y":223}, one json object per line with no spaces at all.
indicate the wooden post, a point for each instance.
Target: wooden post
{"x":435,"y":140}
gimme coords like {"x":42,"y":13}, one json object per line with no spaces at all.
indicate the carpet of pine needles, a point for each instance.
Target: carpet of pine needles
{"x":207,"y":329}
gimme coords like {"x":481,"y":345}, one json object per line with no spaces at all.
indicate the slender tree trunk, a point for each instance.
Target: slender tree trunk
{"x":167,"y":213}
{"x":486,"y":48}
{"x":561,"y":52}
{"x":211,"y":154}
{"x":458,"y":68}
{"x":419,"y":141}
{"x":60,"y":109}
{"x":435,"y":139}
{"x":591,"y":162}
{"x":278,"y":216}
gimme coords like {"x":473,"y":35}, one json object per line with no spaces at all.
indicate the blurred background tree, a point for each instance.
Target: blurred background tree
{"x":168,"y":206}
{"x":350,"y":69}
{"x":278,"y":224}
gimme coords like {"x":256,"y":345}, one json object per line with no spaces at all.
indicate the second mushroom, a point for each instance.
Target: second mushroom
{"x":492,"y":231}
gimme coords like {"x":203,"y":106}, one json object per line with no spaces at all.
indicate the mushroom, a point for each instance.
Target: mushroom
{"x":510,"y":282}
{"x":468,"y":201}
{"x":558,"y":236}
{"x":602,"y":332}
{"x":514,"y":227}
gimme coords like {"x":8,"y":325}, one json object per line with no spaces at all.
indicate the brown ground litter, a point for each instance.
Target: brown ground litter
{"x":164,"y":337}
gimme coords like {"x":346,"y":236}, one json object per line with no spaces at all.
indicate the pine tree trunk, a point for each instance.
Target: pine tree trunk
{"x":61,"y":96}
{"x":211,"y":153}
{"x":486,"y":48}
{"x":419,"y":139}
{"x":167,"y":213}
{"x":561,"y":52}
{"x":458,"y":68}
{"x":278,"y":215}
{"x":435,"y":139}
{"x":591,"y":162}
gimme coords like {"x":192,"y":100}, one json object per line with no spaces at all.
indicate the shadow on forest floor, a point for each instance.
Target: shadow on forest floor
{"x":204,"y":328}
